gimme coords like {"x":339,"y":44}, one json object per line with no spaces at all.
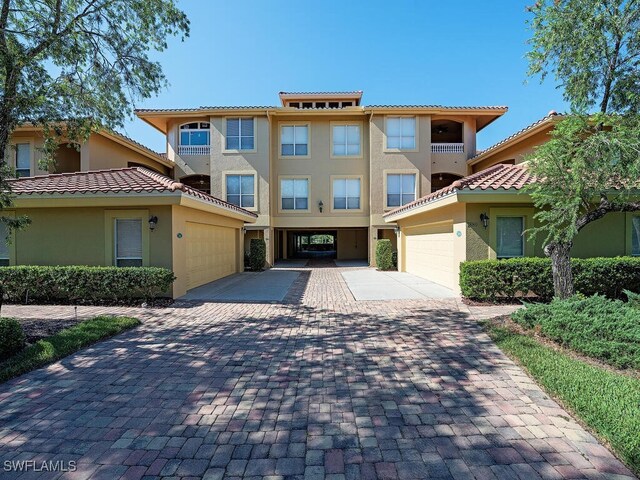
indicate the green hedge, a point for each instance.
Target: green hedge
{"x":11,"y":337}
{"x":384,"y":254}
{"x":257,"y":254}
{"x":515,"y":277}
{"x":81,"y":284}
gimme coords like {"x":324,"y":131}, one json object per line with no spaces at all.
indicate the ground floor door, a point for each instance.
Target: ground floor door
{"x":429,"y":253}
{"x":211,"y":253}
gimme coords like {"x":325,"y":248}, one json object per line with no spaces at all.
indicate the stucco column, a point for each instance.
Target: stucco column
{"x":373,"y":238}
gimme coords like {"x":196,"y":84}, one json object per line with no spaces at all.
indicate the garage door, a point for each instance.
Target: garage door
{"x":429,"y":253}
{"x":211,"y":253}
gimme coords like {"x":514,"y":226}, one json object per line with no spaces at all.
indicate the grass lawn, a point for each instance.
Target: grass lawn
{"x":64,"y":343}
{"x":606,"y":401}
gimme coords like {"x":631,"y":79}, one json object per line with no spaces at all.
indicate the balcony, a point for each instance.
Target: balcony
{"x":194,"y":150}
{"x":447,"y":148}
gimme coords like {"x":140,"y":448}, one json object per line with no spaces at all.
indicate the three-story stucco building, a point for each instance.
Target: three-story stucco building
{"x":320,"y":163}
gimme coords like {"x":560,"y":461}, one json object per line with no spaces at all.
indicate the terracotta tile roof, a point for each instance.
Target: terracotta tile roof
{"x":352,"y":92}
{"x":203,"y":109}
{"x":136,"y":180}
{"x":444,"y":107}
{"x":162,"y":157}
{"x":481,"y":153}
{"x":497,"y":177}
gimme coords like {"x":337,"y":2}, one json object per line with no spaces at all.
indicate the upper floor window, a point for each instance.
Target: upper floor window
{"x":346,"y":194}
{"x":401,"y":189}
{"x":294,"y":193}
{"x":346,"y":140}
{"x":635,"y":236}
{"x":195,"y":134}
{"x":23,"y":160}
{"x":509,"y":237}
{"x":401,"y":133}
{"x":294,"y":140}
{"x":240,"y":134}
{"x":240,"y":190}
{"x":128,"y":242}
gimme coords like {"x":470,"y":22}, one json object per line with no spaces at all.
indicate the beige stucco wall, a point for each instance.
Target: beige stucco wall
{"x":516,"y":152}
{"x":180,"y":216}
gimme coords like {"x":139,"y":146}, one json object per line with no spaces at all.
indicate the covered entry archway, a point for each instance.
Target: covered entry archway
{"x":338,"y":243}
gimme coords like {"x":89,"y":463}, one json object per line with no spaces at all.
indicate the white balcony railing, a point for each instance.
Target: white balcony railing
{"x":447,"y":148}
{"x":194,"y":149}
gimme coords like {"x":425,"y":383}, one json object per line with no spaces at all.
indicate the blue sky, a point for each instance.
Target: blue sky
{"x":460,"y":52}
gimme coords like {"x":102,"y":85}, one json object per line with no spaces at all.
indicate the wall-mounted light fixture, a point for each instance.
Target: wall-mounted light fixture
{"x":153,"y":222}
{"x":320,"y":205}
{"x":244,"y":230}
{"x":397,"y":230}
{"x":484,"y":218}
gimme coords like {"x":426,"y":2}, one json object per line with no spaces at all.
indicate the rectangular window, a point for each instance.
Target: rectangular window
{"x":346,"y":194}
{"x":128,"y":242}
{"x":346,"y":140}
{"x":509,"y":237}
{"x":294,"y":193}
{"x":23,"y":160}
{"x":635,"y":236}
{"x":401,"y":133}
{"x":240,"y":190}
{"x":294,"y":140}
{"x":401,"y":189}
{"x":4,"y":245}
{"x":240,"y":135}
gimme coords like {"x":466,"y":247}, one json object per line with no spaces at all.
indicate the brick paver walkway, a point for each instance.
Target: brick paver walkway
{"x":319,"y":387}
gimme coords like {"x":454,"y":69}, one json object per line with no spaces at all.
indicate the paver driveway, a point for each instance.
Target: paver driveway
{"x":319,"y":387}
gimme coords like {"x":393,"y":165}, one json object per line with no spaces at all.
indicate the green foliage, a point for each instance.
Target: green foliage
{"x":592,"y":48}
{"x":84,"y":285}
{"x":607,"y":402}
{"x":384,"y":254}
{"x":11,"y":337}
{"x":512,"y":278}
{"x":394,"y":259}
{"x":633,"y":298}
{"x":81,"y":62}
{"x":64,"y":343}
{"x":257,"y":254}
{"x":608,"y":330}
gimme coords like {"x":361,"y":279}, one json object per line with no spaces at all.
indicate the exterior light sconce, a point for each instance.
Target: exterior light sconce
{"x":243,"y":230}
{"x":320,"y":205}
{"x":153,"y":222}
{"x":484,"y":218}
{"x":397,"y":230}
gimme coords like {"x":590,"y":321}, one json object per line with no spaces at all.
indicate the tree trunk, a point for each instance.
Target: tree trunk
{"x":560,"y":254}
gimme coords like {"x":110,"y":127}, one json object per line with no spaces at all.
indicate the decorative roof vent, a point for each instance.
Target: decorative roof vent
{"x":320,"y":100}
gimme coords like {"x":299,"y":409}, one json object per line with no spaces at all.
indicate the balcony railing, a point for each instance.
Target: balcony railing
{"x":447,"y":148}
{"x":194,"y":149}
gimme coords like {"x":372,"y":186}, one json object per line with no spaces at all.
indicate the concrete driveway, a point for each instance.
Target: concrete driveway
{"x":371,"y":284}
{"x":325,"y":387}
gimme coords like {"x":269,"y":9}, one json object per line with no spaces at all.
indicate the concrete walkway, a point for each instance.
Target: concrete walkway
{"x":319,"y":386}
{"x":371,"y":284}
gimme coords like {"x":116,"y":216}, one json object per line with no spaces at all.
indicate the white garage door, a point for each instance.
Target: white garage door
{"x":211,"y":253}
{"x":429,"y":253}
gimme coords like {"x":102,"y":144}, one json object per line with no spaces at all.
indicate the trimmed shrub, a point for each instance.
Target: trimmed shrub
{"x":608,"y":330}
{"x":394,"y":259}
{"x":83,"y":285}
{"x":517,"y":277}
{"x":257,"y":254}
{"x":384,"y":254}
{"x":11,"y":338}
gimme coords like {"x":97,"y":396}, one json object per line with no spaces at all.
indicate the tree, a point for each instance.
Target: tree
{"x":591,"y":164}
{"x":73,"y":66}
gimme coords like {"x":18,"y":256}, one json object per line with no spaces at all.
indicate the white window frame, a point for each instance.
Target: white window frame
{"x":415,"y":134}
{"x":386,"y":187}
{"x":228,"y":174}
{"x":15,"y":158}
{"x":333,"y":126}
{"x":335,"y":178}
{"x":294,"y":210}
{"x":294,"y":124}
{"x":116,"y":258}
{"x":225,"y":148}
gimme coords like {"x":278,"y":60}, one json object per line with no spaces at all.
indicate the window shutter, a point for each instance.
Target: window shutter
{"x":129,"y":238}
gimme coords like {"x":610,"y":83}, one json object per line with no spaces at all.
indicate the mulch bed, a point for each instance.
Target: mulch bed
{"x":38,"y":328}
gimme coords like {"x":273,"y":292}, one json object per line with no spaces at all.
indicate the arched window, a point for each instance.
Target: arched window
{"x":194,"y":134}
